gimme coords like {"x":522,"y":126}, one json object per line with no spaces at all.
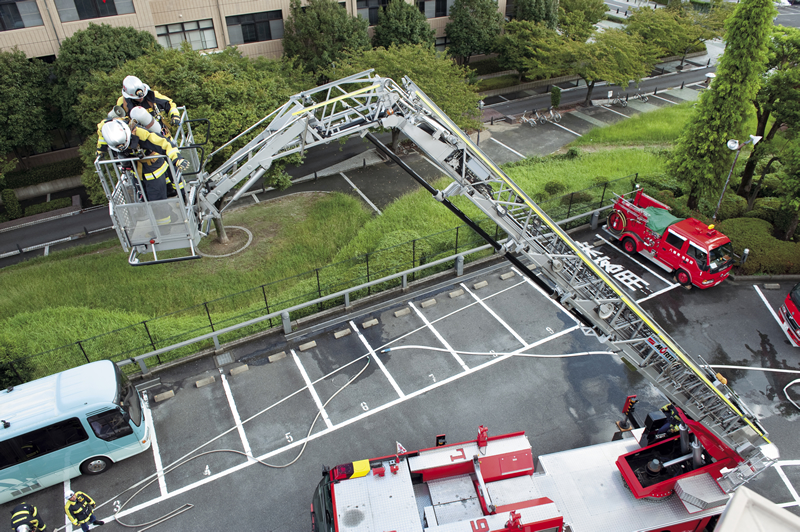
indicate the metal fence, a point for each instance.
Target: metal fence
{"x":306,"y":293}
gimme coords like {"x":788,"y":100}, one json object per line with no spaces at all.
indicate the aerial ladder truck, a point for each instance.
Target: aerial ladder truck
{"x":720,"y":439}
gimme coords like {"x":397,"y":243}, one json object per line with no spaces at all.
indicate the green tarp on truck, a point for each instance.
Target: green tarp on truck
{"x":659,"y":219}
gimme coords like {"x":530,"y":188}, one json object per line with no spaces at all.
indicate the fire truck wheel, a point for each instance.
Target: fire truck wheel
{"x":616,"y":223}
{"x":683,"y":277}
{"x":629,"y":245}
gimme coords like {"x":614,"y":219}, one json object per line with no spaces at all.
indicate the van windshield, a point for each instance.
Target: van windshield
{"x":721,"y":257}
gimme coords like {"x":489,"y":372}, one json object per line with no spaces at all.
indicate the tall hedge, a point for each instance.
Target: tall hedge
{"x":768,"y":255}
{"x":11,"y":204}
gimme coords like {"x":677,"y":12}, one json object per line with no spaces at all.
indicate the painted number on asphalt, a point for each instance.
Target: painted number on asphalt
{"x":364,"y":406}
{"x":493,"y":353}
{"x":432,"y":377}
{"x":549,"y":330}
{"x":289,"y":437}
{"x":117,"y":506}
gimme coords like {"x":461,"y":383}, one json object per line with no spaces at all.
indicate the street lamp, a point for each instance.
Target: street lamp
{"x":734,"y":145}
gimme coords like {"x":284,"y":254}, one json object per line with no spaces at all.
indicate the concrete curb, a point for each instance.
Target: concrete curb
{"x":763,"y":278}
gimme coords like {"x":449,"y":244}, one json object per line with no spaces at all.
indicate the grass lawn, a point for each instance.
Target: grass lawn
{"x":656,"y":127}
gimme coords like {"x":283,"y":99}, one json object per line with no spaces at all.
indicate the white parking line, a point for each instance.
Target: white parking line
{"x":664,"y":99}
{"x":769,"y":307}
{"x":363,"y":196}
{"x":512,"y":150}
{"x":553,"y":302}
{"x":494,"y":314}
{"x":654,"y":294}
{"x":162,"y":482}
{"x":346,"y":423}
{"x":377,"y":360}
{"x":236,"y":419}
{"x":636,"y":261}
{"x":438,"y":336}
{"x":311,"y":389}
{"x":615,"y":112}
{"x":566,"y":129}
{"x":789,"y":486}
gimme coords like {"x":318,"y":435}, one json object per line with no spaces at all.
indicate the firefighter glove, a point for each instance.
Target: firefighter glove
{"x":99,"y":153}
{"x":182,"y":164}
{"x":176,"y":120}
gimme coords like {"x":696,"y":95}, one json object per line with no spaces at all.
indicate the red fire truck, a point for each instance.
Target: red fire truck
{"x":789,"y":315}
{"x":659,"y":483}
{"x":696,"y":253}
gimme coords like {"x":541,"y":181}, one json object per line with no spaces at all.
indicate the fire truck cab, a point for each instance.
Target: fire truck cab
{"x":696,"y":253}
{"x":789,"y":315}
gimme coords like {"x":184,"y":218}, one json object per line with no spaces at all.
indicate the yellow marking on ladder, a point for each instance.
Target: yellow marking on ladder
{"x":332,"y":100}
{"x":629,"y":302}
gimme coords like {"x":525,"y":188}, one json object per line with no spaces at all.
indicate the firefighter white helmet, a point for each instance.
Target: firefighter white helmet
{"x":23,"y":528}
{"x":117,"y":134}
{"x":145,"y":119}
{"x":133,"y":88}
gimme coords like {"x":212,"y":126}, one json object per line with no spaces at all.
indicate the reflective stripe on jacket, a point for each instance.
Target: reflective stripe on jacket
{"x":80,"y":510}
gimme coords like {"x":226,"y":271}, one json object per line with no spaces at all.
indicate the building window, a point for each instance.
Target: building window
{"x":17,"y":15}
{"x":368,"y":9}
{"x":441,"y":44}
{"x":200,"y":34}
{"x":71,"y":10}
{"x":255,"y":27}
{"x":435,"y":8}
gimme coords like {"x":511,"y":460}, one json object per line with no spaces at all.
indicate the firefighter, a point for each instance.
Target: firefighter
{"x":80,"y":508}
{"x":25,"y":518}
{"x":145,"y":145}
{"x":162,"y":108}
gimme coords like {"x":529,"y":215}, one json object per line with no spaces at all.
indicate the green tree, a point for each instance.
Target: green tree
{"x":790,"y":186}
{"x":98,"y":48}
{"x":701,"y":159}
{"x":531,"y":49}
{"x":544,"y":11}
{"x":402,"y":23}
{"x":232,"y":91}
{"x":24,"y":105}
{"x":473,"y":28}
{"x":705,"y":24}
{"x":319,"y":33}
{"x":434,"y":73}
{"x":576,"y":18}
{"x":613,"y":56}
{"x":777,"y":99}
{"x":665,"y":29}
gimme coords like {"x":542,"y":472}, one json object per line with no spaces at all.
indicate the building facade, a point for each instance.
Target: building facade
{"x":37,"y":27}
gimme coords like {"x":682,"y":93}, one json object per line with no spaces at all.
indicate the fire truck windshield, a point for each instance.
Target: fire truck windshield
{"x":721,"y":256}
{"x":795,"y":295}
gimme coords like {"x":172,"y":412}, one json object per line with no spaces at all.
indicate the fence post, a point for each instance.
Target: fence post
{"x":319,"y":289}
{"x":369,"y":288}
{"x":459,"y":265}
{"x":569,"y":209}
{"x":266,"y":303}
{"x":405,"y":282}
{"x":287,"y":323}
{"x":209,"y":317}
{"x":456,"y":250}
{"x":414,"y":258}
{"x":158,"y":357}
{"x":603,"y":196}
{"x":84,"y":352}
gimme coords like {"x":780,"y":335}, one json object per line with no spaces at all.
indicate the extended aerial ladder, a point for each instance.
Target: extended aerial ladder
{"x":364,"y":102}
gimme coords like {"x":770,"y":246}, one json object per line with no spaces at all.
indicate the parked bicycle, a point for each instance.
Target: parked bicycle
{"x":554,"y":115}
{"x":620,"y":101}
{"x":531,"y":121}
{"x":541,"y":118}
{"x":641,"y":96}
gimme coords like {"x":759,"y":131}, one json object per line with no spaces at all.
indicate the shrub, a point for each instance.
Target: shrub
{"x":11,"y":204}
{"x":765,"y":209}
{"x":555,"y":96}
{"x":581,"y":196}
{"x":44,"y":173}
{"x":572,"y":153}
{"x":768,"y":255}
{"x":733,"y":206}
{"x":48,"y":206}
{"x":13,"y":370}
{"x":659,"y":182}
{"x":555,"y":188}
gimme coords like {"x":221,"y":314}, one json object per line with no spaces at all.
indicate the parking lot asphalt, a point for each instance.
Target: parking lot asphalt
{"x":491,"y":355}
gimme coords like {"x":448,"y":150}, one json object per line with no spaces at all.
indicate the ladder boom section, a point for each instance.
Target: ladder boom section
{"x":364,"y":102}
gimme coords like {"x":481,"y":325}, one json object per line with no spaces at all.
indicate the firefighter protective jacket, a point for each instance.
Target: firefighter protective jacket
{"x":144,"y":145}
{"x":26,"y":514}
{"x":161,"y":107}
{"x":80,"y":510}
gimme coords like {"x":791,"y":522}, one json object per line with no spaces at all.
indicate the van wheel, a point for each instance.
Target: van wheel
{"x":629,"y":245}
{"x":96,"y":465}
{"x":683,"y":277}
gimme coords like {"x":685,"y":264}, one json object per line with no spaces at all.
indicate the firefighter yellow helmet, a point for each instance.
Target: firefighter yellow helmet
{"x":117,"y":134}
{"x":133,"y":88}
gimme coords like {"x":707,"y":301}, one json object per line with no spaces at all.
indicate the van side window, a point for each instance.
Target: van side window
{"x":674,"y":240}
{"x":109,"y":425}
{"x":42,"y":441}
